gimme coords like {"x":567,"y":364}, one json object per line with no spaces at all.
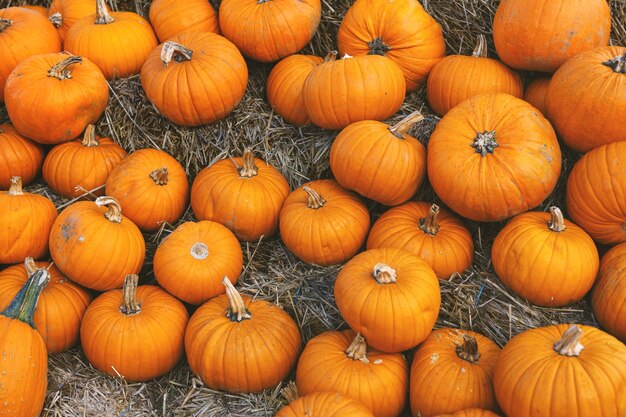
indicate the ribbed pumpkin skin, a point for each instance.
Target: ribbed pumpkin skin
{"x":29,"y":34}
{"x":19,"y":156}
{"x":609,"y":294}
{"x":536,"y":93}
{"x":61,"y":306}
{"x":197,"y":91}
{"x":442,"y":382}
{"x":588,"y":385}
{"x":284,"y":87}
{"x":268,"y":30}
{"x":194,"y":275}
{"x":172,"y":17}
{"x":380,"y":384}
{"x":68,"y":106}
{"x":520,"y":173}
{"x":413,"y":38}
{"x":327,"y":404}
{"x":392,"y":317}
{"x":71,"y":11}
{"x":448,"y":251}
{"x":540,"y":35}
{"x":367,"y":87}
{"x":586,"y":100}
{"x":472,"y":412}
{"x":141,"y":346}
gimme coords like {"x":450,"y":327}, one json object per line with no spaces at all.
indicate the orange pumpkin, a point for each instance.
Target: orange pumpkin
{"x":435,"y":235}
{"x":609,"y":294}
{"x":536,"y":92}
{"x":64,"y":13}
{"x":172,"y":17}
{"x":400,"y":30}
{"x":151,"y":186}
{"x":195,"y":78}
{"x":135,"y":333}
{"x":487,"y":165}
{"x":324,"y":224}
{"x":327,"y":404}
{"x":191,"y":261}
{"x":341,"y":362}
{"x":268,"y":30}
{"x":379,"y":161}
{"x":19,"y":157}
{"x":39,"y":9}
{"x":471,"y":412}
{"x":237,"y":344}
{"x":390,"y":296}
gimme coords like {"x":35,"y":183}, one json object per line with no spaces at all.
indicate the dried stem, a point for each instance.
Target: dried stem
{"x":130,"y":305}
{"x":384,"y":274}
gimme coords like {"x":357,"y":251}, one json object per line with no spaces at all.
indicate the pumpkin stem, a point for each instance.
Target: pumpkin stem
{"x":172,"y":50}
{"x":384,"y":274}
{"x":30,"y":266}
{"x":358,"y":349}
{"x":102,"y":13}
{"x":557,"y":223}
{"x":404,"y":125}
{"x":56,"y":19}
{"x":480,"y":51}
{"x":569,"y":344}
{"x":485,"y":142}
{"x":61,"y":71}
{"x":378,"y":47}
{"x":23,"y":305}
{"x":16,"y":186}
{"x":315,"y":200}
{"x":617,"y":64}
{"x":130,"y":305}
{"x":429,"y":224}
{"x":199,"y":251}
{"x":159,"y":176}
{"x":89,"y":137}
{"x":248,"y":168}
{"x":262,"y":1}
{"x":237,"y":310}
{"x":290,"y":392}
{"x":115,"y":210}
{"x":5,"y":23}
{"x":331,"y":56}
{"x":468,"y":350}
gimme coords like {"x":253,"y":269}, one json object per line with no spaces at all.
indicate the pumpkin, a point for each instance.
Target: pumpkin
{"x":95,"y":246}
{"x":471,"y":412}
{"x":39,"y":9}
{"x":151,"y":186}
{"x":25,"y":223}
{"x":237,"y":344}
{"x":545,"y":259}
{"x":23,"y":33}
{"x":400,"y":30}
{"x":191,"y":261}
{"x":19,"y":157}
{"x":434,"y":234}
{"x":341,"y":362}
{"x":135,"y":333}
{"x":284,"y":87}
{"x":339,"y":92}
{"x":536,"y":92}
{"x":586,"y":99}
{"x":82,"y":166}
{"x":76,"y":95}
{"x":61,"y":306}
{"x":378,"y":161}
{"x":327,"y":404}
{"x":195,"y":78}
{"x":458,"y":77}
{"x":64,"y":13}
{"x":540,"y":35}
{"x":452,"y":371}
{"x":581,"y":371}
{"x":390,"y":296}
{"x":268,"y":30}
{"x":323,"y":224}
{"x":117,"y":42}
{"x":172,"y":17}
{"x":487,"y":165}
{"x":609,"y":294}
{"x":24,"y":365}
{"x":244,"y":194}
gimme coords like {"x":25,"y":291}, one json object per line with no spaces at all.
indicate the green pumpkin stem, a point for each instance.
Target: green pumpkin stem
{"x":569,"y":344}
{"x":159,"y":176}
{"x":89,"y":137}
{"x":358,"y":349}
{"x":130,"y":305}
{"x":480,"y":51}
{"x":23,"y":305}
{"x":5,"y":23}
{"x":384,"y":274}
{"x":557,"y":223}
{"x":468,"y":350}
{"x":315,"y":200}
{"x":248,"y":168}
{"x":102,"y":13}
{"x":61,"y":70}
{"x":617,"y":64}
{"x":56,"y":19}
{"x":175,"y":51}
{"x":485,"y":142}
{"x":237,"y":310}
{"x":429,"y":224}
{"x":378,"y":47}
{"x":16,"y":186}
{"x":404,"y":125}
{"x":115,"y":210}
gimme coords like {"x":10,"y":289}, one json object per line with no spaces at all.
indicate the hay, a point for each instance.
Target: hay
{"x":475,"y":300}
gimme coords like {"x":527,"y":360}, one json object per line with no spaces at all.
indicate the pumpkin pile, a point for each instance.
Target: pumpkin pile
{"x":393,"y":215}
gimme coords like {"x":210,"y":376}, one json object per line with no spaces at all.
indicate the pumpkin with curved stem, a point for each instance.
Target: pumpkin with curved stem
{"x":237,"y":344}
{"x":105,"y":39}
{"x":434,"y":234}
{"x":64,"y":13}
{"x":471,"y":412}
{"x":172,"y":17}
{"x":191,"y":261}
{"x":390,"y":296}
{"x":25,"y":223}
{"x":609,"y":294}
{"x":581,"y":371}
{"x":341,"y":362}
{"x":379,"y":161}
{"x":400,"y":30}
{"x":268,"y":30}
{"x":536,"y":93}
{"x":195,"y":78}
{"x":487,"y":165}
{"x":327,"y":404}
{"x":19,"y":157}
{"x":322,"y":223}
{"x":136,"y":332}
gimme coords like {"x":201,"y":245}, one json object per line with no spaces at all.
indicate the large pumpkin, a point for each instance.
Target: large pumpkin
{"x":268,"y":30}
{"x":172,"y":17}
{"x":400,"y":30}
{"x":536,"y":92}
{"x":493,"y":156}
{"x":381,"y":162}
{"x":609,"y":294}
{"x":64,"y":13}
{"x":195,"y":78}
{"x":326,"y":404}
{"x":19,"y":157}
{"x":540,"y":35}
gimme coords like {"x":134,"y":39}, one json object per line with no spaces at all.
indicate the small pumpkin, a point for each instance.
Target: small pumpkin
{"x":471,"y":412}
{"x":323,"y":223}
{"x":609,"y":294}
{"x":19,"y":156}
{"x":237,"y":344}
{"x":381,"y":162}
{"x":327,"y":404}
{"x":536,"y":93}
{"x":390,"y":296}
{"x":172,"y":17}
{"x":64,"y":13}
{"x":136,"y":332}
